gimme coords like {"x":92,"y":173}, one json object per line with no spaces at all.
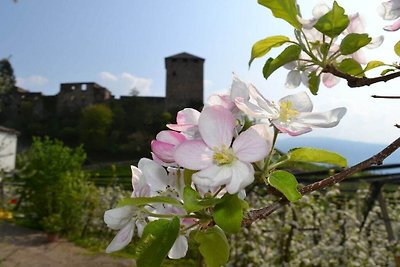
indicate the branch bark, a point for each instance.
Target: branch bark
{"x":255,"y":215}
{"x":353,"y":81}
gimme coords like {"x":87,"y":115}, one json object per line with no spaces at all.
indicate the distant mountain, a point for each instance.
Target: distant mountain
{"x":353,"y":151}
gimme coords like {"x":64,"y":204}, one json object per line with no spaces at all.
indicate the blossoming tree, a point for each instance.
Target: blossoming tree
{"x":194,"y":187}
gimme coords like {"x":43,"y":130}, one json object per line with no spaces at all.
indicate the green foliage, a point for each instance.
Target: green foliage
{"x":373,"y":64}
{"x":193,"y":202}
{"x":157,"y":239}
{"x":397,"y":48}
{"x":290,"y":54}
{"x":53,"y":186}
{"x":286,"y":183}
{"x":308,"y":154}
{"x":213,"y":246}
{"x":7,"y":78}
{"x":229,"y":213}
{"x":353,"y":42}
{"x":95,"y":124}
{"x":142,"y":201}
{"x":334,"y":22}
{"x":313,"y":82}
{"x":262,"y":47}
{"x":350,"y":66}
{"x":284,"y":9}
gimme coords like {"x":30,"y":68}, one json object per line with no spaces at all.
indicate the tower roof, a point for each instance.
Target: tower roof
{"x":184,"y":55}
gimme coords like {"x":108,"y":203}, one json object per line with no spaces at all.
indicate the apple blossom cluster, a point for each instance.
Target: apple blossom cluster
{"x":390,"y":10}
{"x":201,"y":165}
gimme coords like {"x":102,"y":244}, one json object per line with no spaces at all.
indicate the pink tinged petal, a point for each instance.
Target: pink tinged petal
{"x":179,"y":248}
{"x":216,"y":126}
{"x":293,"y":79}
{"x":170,"y":137}
{"x":221,"y":100}
{"x":155,"y":175}
{"x":252,"y":110}
{"x":194,"y":155}
{"x":163,"y":151}
{"x":239,"y":88}
{"x":322,"y":119}
{"x":242,"y":176}
{"x":213,"y":176}
{"x":188,"y":116}
{"x":359,"y":56}
{"x":375,"y":42}
{"x":262,"y":102}
{"x":160,"y":162}
{"x":250,"y":146}
{"x":122,"y":239}
{"x":394,"y":27}
{"x":307,"y":23}
{"x":389,"y":10}
{"x":300,"y":102}
{"x":320,"y":10}
{"x":356,"y":24}
{"x":329,"y":80}
{"x":292,"y":129}
{"x":117,"y":218}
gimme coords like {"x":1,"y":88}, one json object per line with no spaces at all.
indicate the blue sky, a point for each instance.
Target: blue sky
{"x":122,"y":44}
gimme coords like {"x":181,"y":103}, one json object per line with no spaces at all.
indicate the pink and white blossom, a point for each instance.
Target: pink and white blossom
{"x":186,"y":123}
{"x":219,"y":160}
{"x":390,"y":10}
{"x":164,"y":145}
{"x":292,"y":115}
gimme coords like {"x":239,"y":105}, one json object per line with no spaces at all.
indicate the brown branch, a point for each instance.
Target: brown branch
{"x":262,"y":213}
{"x":397,"y":125}
{"x":353,"y":81}
{"x":385,"y":96}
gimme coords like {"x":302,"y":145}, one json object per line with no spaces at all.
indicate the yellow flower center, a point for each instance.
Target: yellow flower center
{"x":286,"y":112}
{"x":223,"y":155}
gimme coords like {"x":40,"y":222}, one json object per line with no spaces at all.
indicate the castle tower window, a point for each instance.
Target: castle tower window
{"x":84,"y":87}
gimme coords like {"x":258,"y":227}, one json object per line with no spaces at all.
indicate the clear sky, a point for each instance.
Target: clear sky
{"x":122,"y":44}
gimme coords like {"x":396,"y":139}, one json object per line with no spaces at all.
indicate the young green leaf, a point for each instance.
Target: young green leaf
{"x":157,"y":239}
{"x":141,"y":201}
{"x":353,"y":42}
{"x":262,"y":47}
{"x":286,"y":183}
{"x":283,"y":9}
{"x":397,"y":48}
{"x":229,"y":213}
{"x":193,"y":202}
{"x":384,"y":72}
{"x":213,"y":246}
{"x":308,"y":154}
{"x":373,"y":64}
{"x":334,"y":22}
{"x":313,"y":82}
{"x":290,"y":54}
{"x":350,"y":66}
{"x":187,"y":176}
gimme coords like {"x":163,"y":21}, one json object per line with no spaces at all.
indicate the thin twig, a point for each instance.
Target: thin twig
{"x":262,"y":213}
{"x":385,"y":96}
{"x":353,"y":81}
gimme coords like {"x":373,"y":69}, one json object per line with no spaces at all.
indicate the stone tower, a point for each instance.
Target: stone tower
{"x":184,"y":85}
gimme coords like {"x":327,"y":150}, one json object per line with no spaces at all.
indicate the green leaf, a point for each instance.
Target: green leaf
{"x":283,"y":9}
{"x":350,"y":66}
{"x":187,"y":176}
{"x":373,"y":64}
{"x":229,"y":213}
{"x":286,"y":183}
{"x":384,"y":72}
{"x":353,"y":42}
{"x":334,"y":22}
{"x":309,"y":154}
{"x":157,"y":239}
{"x":290,"y":54}
{"x":193,"y":202}
{"x":213,"y":246}
{"x":262,"y":47}
{"x":397,"y":48}
{"x":313,"y":82}
{"x":141,"y":201}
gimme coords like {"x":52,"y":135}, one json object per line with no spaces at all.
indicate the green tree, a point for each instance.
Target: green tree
{"x":7,"y":78}
{"x":95,"y":123}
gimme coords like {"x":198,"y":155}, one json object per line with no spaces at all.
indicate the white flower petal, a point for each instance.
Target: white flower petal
{"x":170,"y":137}
{"x":155,"y":175}
{"x":239,"y":88}
{"x":179,"y":248}
{"x":292,"y":128}
{"x":300,"y":102}
{"x":242,"y":176}
{"x":263,"y":103}
{"x":293,"y":79}
{"x":375,"y":42}
{"x":188,"y":116}
{"x":194,"y":155}
{"x":251,"y":110}
{"x":329,"y":80}
{"x":216,"y":126}
{"x":213,"y":176}
{"x":122,"y":239}
{"x":250,"y":145}
{"x":326,"y":119}
{"x":117,"y":218}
